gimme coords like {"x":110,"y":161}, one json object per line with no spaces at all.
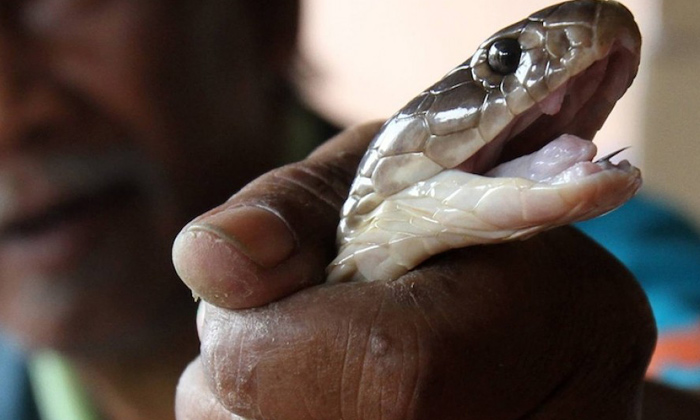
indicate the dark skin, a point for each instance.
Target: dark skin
{"x":549,"y":328}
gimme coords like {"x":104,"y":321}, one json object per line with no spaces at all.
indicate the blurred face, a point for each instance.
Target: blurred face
{"x":105,"y":152}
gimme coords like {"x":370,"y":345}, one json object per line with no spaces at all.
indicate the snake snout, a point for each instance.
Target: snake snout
{"x":579,"y":107}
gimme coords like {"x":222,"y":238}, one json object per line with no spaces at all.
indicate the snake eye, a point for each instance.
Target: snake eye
{"x":504,"y":55}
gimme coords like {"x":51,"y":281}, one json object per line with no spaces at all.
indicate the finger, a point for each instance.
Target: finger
{"x":194,"y":400}
{"x":465,"y":333}
{"x":277,"y":234}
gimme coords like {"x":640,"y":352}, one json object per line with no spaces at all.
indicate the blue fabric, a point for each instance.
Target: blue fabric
{"x":662,"y":249}
{"x":16,"y":402}
{"x":682,"y":376}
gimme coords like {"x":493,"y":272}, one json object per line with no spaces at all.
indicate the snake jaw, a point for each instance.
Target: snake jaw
{"x":447,"y":170}
{"x":566,"y":159}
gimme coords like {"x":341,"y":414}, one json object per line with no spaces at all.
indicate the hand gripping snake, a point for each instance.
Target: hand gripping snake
{"x":497,"y":149}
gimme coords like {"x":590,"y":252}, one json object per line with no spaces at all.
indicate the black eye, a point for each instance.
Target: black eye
{"x":504,"y":55}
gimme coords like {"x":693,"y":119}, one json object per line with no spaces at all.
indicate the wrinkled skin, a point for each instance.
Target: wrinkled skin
{"x":549,"y":328}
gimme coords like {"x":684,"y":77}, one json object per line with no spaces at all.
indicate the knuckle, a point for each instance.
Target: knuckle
{"x":324,"y":182}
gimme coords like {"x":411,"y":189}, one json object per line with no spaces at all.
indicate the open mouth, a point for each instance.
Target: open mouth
{"x":69,"y":211}
{"x":578,"y":108}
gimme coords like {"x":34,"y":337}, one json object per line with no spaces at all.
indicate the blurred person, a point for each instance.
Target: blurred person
{"x":120,"y":121}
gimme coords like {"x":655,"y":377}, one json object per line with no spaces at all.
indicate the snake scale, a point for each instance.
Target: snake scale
{"x":498,"y":149}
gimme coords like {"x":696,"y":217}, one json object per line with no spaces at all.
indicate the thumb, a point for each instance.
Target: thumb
{"x":277,"y":234}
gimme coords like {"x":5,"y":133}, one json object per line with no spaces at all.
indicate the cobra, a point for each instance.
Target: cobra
{"x":499,"y":149}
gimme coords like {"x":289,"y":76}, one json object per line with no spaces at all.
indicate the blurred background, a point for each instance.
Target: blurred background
{"x":365,"y":59}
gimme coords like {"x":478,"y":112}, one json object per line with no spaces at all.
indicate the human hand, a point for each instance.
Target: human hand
{"x":549,"y":328}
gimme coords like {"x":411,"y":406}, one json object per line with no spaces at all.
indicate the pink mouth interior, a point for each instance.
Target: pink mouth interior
{"x":579,"y":108}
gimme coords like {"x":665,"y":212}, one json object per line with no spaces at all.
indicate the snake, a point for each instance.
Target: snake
{"x":497,"y":150}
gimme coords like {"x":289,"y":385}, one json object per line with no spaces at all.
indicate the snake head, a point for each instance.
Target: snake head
{"x":499,"y":148}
